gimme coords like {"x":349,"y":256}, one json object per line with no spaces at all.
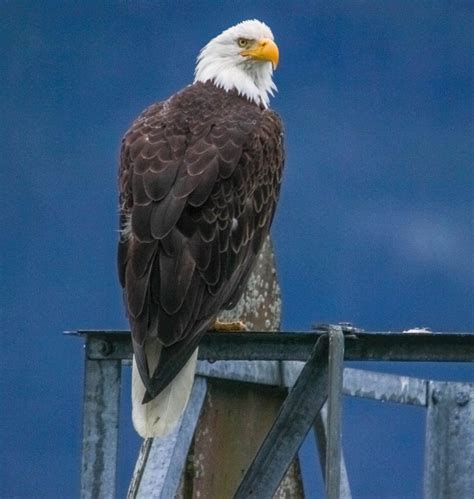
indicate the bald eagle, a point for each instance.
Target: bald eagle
{"x":199,"y":181}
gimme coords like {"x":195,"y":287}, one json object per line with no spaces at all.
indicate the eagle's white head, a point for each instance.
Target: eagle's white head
{"x":242,"y":58}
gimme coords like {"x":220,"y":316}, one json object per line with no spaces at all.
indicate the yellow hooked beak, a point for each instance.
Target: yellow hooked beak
{"x":264,"y":49}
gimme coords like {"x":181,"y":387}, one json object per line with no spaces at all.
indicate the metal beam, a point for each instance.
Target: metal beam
{"x":100,"y":428}
{"x":376,"y":346}
{"x":294,"y":420}
{"x":385,"y":387}
{"x":356,"y":382}
{"x":334,"y":412}
{"x":320,"y":432}
{"x":449,"y":441}
{"x":363,"y":346}
{"x":262,"y":372}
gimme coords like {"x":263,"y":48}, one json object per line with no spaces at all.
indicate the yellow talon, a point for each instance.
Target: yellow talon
{"x":228,"y":327}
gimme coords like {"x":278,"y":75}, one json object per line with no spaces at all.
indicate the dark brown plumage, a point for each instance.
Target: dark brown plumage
{"x":199,"y":182}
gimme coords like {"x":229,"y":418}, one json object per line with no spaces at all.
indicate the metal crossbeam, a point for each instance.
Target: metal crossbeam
{"x":356,"y":382}
{"x":385,"y":387}
{"x":373,"y":346}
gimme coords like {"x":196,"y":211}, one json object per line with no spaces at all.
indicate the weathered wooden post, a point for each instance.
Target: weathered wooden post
{"x":236,"y":416}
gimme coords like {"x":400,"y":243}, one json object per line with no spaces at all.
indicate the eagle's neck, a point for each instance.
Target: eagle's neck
{"x":251,"y":80}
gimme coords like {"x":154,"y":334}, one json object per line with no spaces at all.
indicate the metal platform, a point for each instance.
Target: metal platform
{"x":311,"y":366}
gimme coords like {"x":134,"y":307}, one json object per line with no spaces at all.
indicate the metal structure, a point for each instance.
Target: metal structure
{"x":311,"y":367}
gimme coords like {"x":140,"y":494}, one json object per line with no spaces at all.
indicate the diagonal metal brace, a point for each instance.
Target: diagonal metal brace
{"x":293,"y":422}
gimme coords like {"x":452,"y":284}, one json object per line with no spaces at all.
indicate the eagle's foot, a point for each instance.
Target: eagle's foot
{"x":228,"y":327}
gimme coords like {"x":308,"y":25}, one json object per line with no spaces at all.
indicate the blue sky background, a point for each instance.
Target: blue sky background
{"x":374,"y":225}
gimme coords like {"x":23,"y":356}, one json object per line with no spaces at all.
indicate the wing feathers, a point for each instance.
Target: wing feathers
{"x":176,"y":275}
{"x":165,"y":215}
{"x":206,"y":184}
{"x":158,"y":184}
{"x":199,"y":179}
{"x":137,"y":291}
{"x":141,"y":226}
{"x":141,"y":257}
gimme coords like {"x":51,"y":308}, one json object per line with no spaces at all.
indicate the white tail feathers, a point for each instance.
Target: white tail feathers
{"x":159,"y":416}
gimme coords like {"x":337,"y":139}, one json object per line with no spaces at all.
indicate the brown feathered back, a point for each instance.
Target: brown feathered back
{"x":199,"y":181}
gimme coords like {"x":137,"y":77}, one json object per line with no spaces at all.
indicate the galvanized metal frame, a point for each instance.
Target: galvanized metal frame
{"x":312,"y":368}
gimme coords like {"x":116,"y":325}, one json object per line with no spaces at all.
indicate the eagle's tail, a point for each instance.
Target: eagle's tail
{"x":159,"y":416}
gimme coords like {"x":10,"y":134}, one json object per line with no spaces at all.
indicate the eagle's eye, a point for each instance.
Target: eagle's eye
{"x":243,"y":43}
